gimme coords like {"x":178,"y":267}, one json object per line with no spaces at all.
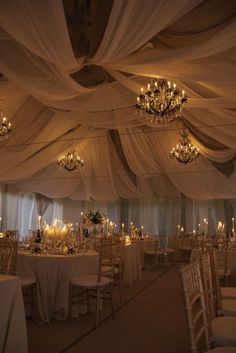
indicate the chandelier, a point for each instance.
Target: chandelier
{"x":70,"y":161}
{"x":5,"y":127}
{"x":161,"y":103}
{"x":185,"y":152}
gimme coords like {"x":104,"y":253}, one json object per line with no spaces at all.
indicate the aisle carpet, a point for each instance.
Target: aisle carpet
{"x":151,"y":319}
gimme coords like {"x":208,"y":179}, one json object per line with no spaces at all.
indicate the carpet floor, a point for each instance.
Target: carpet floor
{"x":151,"y":319}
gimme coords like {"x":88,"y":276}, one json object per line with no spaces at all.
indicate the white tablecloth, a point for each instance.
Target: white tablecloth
{"x":13,"y":334}
{"x":53,"y":273}
{"x":132,"y":264}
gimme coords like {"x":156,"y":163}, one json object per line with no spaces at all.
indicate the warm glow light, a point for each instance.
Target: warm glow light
{"x":184,"y":152}
{"x":161,"y":103}
{"x":70,"y":161}
{"x":5,"y":128}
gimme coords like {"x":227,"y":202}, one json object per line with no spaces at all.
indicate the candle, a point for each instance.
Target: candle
{"x":178,"y":229}
{"x":122,"y":227}
{"x":233,"y":225}
{"x":39,"y":222}
{"x":205,"y":226}
{"x":199,"y":228}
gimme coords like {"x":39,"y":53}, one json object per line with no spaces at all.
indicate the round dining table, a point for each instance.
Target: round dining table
{"x":13,"y":334}
{"x":53,"y":273}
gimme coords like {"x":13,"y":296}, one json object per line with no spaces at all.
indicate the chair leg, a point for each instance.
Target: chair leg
{"x":97,"y":307}
{"x":33,"y":301}
{"x":120,"y":283}
{"x":111,"y":300}
{"x":87,"y":301}
{"x":70,"y":304}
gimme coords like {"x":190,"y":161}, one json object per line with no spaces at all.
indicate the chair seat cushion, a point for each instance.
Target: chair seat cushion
{"x":89,"y":281}
{"x":229,"y":307}
{"x":222,"y":272}
{"x":169,"y":251}
{"x":27,"y":280}
{"x":153,"y":252}
{"x":108,"y":269}
{"x":228,"y":292}
{"x":224,"y":331}
{"x":222,"y":350}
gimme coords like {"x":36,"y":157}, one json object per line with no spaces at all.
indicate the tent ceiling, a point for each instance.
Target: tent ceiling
{"x":70,"y":74}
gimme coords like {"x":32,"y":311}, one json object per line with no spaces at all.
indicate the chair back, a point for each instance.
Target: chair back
{"x":105,"y":255}
{"x":215,"y":280}
{"x":8,"y":254}
{"x":205,"y":267}
{"x":221,"y":260}
{"x":162,"y":241}
{"x":195,"y":306}
{"x":118,"y":252}
{"x":186,"y":241}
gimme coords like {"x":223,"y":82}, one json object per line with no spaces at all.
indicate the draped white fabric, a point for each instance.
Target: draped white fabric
{"x":190,"y":42}
{"x":157,"y":215}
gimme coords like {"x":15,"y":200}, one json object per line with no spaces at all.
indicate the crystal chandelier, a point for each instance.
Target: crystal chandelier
{"x":5,"y":127}
{"x":161,"y":103}
{"x":70,"y":161}
{"x":185,"y":152}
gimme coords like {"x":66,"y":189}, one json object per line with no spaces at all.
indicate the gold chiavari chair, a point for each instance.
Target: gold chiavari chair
{"x":98,"y":286}
{"x":204,"y":332}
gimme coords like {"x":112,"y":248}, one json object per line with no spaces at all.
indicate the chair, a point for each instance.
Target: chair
{"x":223,"y":271}
{"x":118,"y":254}
{"x":8,"y":258}
{"x":185,"y":245}
{"x":8,"y":255}
{"x":156,"y":254}
{"x":220,"y":330}
{"x":97,"y":285}
{"x":170,"y":246}
{"x":224,"y":306}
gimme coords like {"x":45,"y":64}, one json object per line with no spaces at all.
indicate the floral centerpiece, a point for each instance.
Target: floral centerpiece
{"x":94,"y":219}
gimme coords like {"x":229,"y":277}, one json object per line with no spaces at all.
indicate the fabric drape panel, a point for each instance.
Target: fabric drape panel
{"x":127,"y":31}
{"x":158,"y":215}
{"x":191,"y":43}
{"x":42,"y":204}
